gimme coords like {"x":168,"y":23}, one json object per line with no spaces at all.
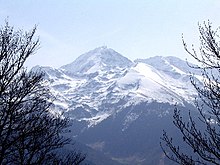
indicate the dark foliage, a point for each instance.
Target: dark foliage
{"x":29,"y":132}
{"x":201,"y":134}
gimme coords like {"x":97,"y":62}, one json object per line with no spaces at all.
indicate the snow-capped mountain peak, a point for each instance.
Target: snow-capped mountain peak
{"x":102,"y":81}
{"x":101,"y":58}
{"x":112,"y":101}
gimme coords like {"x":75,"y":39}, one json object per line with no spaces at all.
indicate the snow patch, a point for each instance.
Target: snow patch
{"x":96,"y":119}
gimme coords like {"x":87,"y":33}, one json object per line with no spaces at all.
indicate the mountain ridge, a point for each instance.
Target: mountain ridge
{"x":154,"y":79}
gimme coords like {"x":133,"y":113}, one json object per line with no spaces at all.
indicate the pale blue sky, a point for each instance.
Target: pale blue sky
{"x":134,"y":28}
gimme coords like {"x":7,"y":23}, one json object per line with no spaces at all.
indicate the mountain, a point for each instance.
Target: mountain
{"x":119,"y":107}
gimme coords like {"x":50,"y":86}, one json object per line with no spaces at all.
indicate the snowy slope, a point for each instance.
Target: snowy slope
{"x":154,"y":85}
{"x":102,"y":82}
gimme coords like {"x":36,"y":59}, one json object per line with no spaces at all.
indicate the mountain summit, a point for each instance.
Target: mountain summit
{"x":102,"y":77}
{"x":118,"y":106}
{"x":97,"y":59}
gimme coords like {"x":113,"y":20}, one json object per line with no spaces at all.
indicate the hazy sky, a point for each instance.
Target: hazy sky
{"x":134,"y":28}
